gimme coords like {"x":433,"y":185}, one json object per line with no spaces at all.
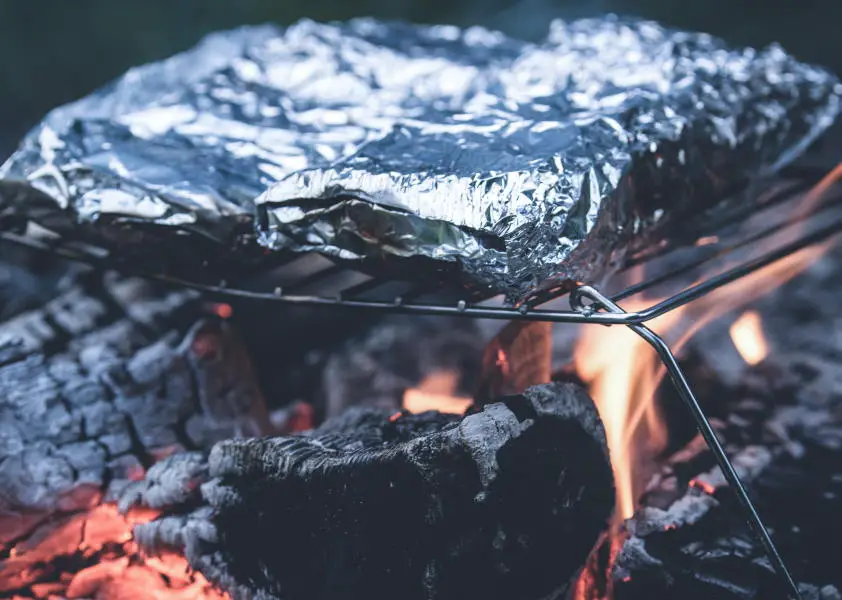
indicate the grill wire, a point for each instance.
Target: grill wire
{"x":315,"y":281}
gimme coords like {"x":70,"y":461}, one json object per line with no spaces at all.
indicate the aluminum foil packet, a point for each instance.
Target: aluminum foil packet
{"x":512,"y":165}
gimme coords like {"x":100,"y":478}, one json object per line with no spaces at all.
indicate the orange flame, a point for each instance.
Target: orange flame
{"x":437,"y":391}
{"x":748,"y":337}
{"x":623,"y":372}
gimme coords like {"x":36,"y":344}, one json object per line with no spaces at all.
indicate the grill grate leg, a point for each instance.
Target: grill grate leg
{"x":596,"y":299}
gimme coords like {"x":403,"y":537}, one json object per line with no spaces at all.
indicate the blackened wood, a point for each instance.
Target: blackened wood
{"x":505,"y":503}
{"x":95,"y":386}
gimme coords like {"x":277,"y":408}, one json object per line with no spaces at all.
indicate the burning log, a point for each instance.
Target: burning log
{"x":505,"y":503}
{"x":784,"y":433}
{"x":96,"y":386}
{"x":780,"y":421}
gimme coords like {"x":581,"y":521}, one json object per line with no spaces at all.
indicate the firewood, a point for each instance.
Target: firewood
{"x":505,"y":503}
{"x":95,"y":386}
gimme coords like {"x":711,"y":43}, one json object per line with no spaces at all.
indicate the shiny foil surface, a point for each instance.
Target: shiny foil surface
{"x":462,"y":152}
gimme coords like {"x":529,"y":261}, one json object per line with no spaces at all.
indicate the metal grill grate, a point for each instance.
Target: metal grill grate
{"x":748,"y":237}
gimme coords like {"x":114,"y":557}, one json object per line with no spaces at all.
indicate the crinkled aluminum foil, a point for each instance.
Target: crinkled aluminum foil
{"x":520,"y":166}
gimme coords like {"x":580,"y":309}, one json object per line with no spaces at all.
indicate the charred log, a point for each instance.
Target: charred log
{"x":505,"y":503}
{"x":95,"y":386}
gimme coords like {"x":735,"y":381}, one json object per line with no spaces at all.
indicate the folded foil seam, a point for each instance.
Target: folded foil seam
{"x":501,"y":163}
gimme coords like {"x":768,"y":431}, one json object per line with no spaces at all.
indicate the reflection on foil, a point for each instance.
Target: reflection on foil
{"x":508,"y":164}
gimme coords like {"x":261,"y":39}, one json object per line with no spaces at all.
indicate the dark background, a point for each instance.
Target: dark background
{"x":54,"y":51}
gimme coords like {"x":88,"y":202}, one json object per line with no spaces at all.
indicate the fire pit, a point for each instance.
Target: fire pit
{"x":187,"y":445}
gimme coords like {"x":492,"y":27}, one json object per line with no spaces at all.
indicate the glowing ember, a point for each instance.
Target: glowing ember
{"x":706,"y":487}
{"x":302,"y":418}
{"x":437,"y":391}
{"x":707,"y":240}
{"x":747,"y":335}
{"x":416,"y":401}
{"x":222,"y":310}
{"x":92,"y":555}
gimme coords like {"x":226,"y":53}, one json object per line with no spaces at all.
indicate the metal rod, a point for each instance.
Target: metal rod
{"x":462,"y":309}
{"x":717,"y":255}
{"x":731,"y":275}
{"x":504,"y":313}
{"x":723,"y":252}
{"x":786,"y":192}
{"x":684,"y":390}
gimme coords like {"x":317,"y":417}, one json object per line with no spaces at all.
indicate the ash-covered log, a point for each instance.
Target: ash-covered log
{"x":95,"y":386}
{"x":505,"y":503}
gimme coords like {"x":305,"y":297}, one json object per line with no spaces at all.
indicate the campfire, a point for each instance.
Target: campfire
{"x":80,"y":546}
{"x":454,"y":316}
